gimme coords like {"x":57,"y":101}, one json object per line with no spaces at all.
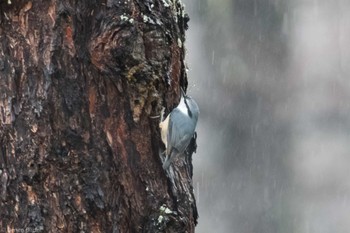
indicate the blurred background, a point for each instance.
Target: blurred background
{"x":271,"y":78}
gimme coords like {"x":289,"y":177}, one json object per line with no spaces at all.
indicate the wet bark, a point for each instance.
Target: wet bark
{"x":81,"y":86}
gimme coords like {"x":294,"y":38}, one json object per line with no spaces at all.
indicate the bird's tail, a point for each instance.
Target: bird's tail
{"x":168,"y":159}
{"x":167,"y":162}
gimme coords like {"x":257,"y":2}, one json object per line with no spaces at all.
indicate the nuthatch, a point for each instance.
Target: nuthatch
{"x":178,"y":128}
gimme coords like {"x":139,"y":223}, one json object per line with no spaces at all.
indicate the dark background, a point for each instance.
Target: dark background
{"x":272,"y":82}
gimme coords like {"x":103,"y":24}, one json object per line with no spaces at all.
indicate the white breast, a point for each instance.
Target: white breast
{"x":164,"y":130}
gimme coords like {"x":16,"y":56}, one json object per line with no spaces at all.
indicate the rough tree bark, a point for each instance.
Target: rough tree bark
{"x":80,"y":82}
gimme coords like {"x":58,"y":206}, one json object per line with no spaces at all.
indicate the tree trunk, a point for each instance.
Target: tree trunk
{"x":81,"y":86}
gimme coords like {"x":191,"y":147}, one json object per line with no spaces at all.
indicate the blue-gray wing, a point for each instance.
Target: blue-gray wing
{"x":180,"y":132}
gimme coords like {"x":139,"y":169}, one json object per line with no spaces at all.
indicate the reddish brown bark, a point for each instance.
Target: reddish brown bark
{"x":79,"y":148}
